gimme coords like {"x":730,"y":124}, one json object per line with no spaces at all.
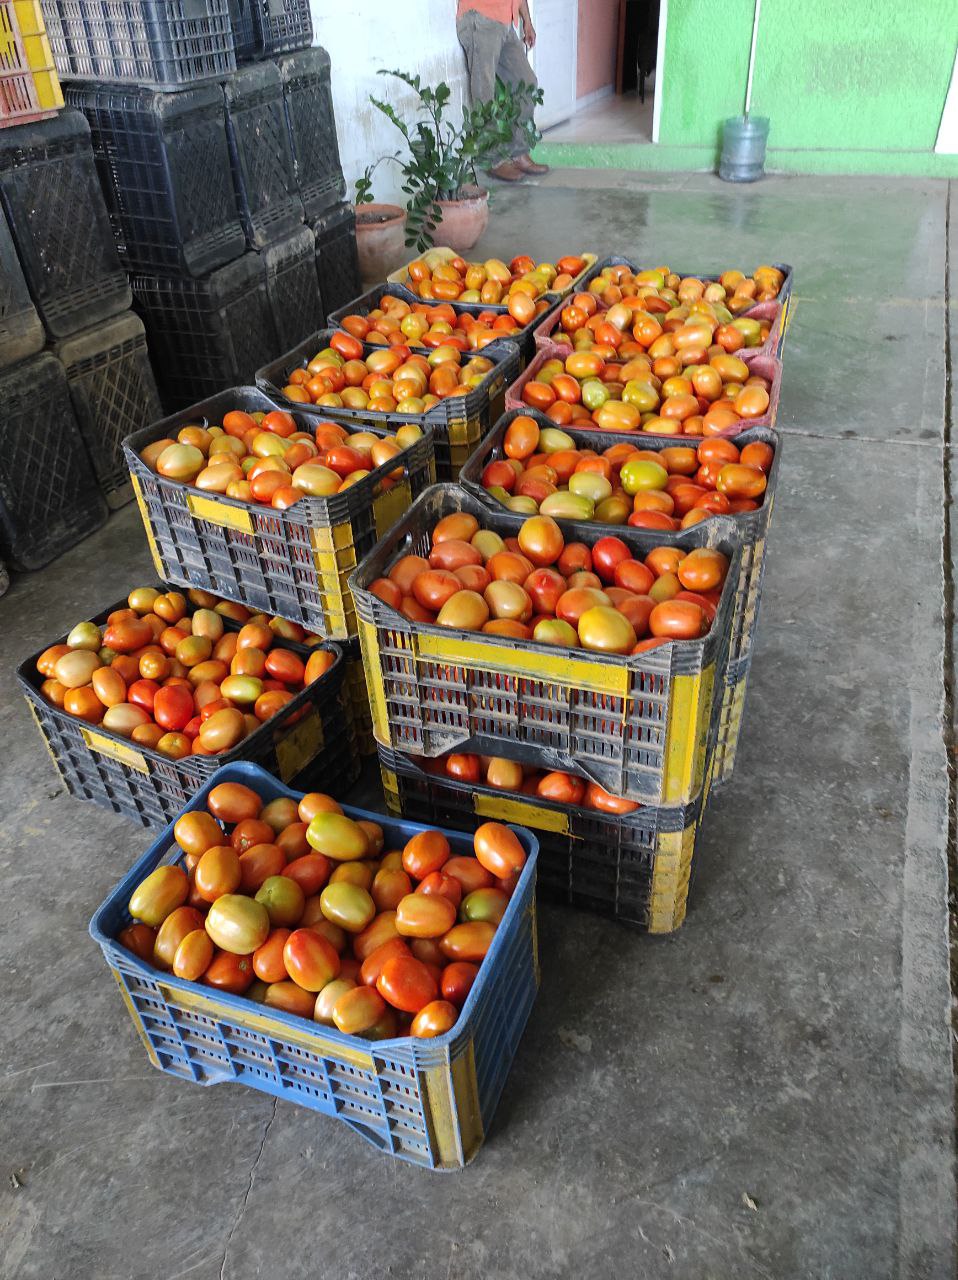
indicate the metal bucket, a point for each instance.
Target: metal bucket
{"x":744,"y":139}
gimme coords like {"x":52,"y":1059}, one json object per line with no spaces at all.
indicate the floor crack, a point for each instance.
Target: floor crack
{"x":246,"y":1195}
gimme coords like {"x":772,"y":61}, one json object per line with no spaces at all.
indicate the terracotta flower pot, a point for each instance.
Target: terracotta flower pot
{"x":380,"y":240}
{"x":463,"y":221}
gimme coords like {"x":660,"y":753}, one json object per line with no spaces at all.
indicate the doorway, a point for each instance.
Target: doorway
{"x":620,"y":51}
{"x":554,"y":58}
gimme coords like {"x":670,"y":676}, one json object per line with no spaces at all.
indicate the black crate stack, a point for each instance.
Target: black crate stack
{"x":223,"y":181}
{"x":75,"y":377}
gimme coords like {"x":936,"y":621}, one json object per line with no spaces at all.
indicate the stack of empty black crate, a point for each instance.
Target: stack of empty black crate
{"x":224,"y":185}
{"x":75,"y":376}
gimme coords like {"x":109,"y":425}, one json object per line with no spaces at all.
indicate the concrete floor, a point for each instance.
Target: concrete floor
{"x":768,"y":1093}
{"x":617,"y":118}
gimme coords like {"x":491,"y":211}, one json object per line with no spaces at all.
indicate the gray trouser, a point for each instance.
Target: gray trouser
{"x":493,"y":49}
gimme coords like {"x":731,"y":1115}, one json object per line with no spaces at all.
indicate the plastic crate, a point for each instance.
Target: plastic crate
{"x":165,"y":171}
{"x":731,"y":711}
{"x":764,"y":366}
{"x":284,"y":25}
{"x":430,"y":1102}
{"x":781,"y":317}
{"x":261,"y":155}
{"x":208,"y":333}
{"x":164,"y":43}
{"x":49,"y":499}
{"x":308,"y":101}
{"x":640,"y":726}
{"x":29,"y":85}
{"x":635,"y":868}
{"x":337,"y":261}
{"x":749,"y":529}
{"x":400,"y":277}
{"x":59,"y":222}
{"x":246,"y":36}
{"x":524,"y":338}
{"x":459,"y":422}
{"x":293,"y":287}
{"x":113,"y":392}
{"x":21,"y":333}
{"x":294,"y":563}
{"x":310,"y":738}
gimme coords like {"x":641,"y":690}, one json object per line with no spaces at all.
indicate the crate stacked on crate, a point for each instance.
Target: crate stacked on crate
{"x":69,"y":408}
{"x":29,"y":85}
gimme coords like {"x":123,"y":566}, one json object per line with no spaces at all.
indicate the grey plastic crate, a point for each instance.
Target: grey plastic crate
{"x":337,"y":262}
{"x":293,"y":287}
{"x":21,"y":333}
{"x":308,"y":100}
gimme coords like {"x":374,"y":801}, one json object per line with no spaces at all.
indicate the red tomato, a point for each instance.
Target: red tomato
{"x":229,"y":972}
{"x":268,"y":963}
{"x":407,"y":984}
{"x":311,"y":961}
{"x":606,"y":554}
{"x":173,"y":708}
{"x":445,"y":886}
{"x":457,"y":981}
{"x":426,"y":852}
{"x":434,"y":1019}
{"x":470,"y":874}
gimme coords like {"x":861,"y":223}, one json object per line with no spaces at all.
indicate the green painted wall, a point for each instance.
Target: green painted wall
{"x":858,"y":76}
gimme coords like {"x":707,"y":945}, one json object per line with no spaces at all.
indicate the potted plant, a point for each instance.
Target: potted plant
{"x":380,"y":231}
{"x":446,"y":202}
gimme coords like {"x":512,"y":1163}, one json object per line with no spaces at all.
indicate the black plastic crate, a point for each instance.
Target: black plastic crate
{"x":293,"y":287}
{"x":337,"y":263}
{"x":308,"y":100}
{"x":311,"y":739}
{"x":21,"y":333}
{"x":261,"y":154}
{"x":58,"y":217}
{"x":247,"y":41}
{"x":208,"y":333}
{"x":284,"y":25}
{"x":114,"y":393}
{"x":164,"y":43}
{"x":165,"y":170}
{"x":49,"y":498}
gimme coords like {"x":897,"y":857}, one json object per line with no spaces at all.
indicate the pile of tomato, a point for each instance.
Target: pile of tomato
{"x":510,"y":775}
{"x":615,"y":314}
{"x":491,"y":281}
{"x":392,"y":380}
{"x":707,"y":395}
{"x":264,"y":458}
{"x":661,"y":289}
{"x":537,"y":587}
{"x":396,"y":323}
{"x":544,"y":471}
{"x":166,"y":673}
{"x":300,"y":907}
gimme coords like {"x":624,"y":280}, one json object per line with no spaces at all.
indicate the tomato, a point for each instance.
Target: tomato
{"x":434,"y":1019}
{"x":421,"y":915}
{"x":468,"y":942}
{"x":389,"y":887}
{"x":193,"y":956}
{"x":606,"y":630}
{"x":453,"y":554}
{"x":541,"y":540}
{"x":444,"y":886}
{"x":406,"y":984}
{"x":310,"y":872}
{"x":457,"y":981}
{"x":564,"y":788}
{"x":677,"y":620}
{"x":290,"y":998}
{"x":372,"y":965}
{"x":357,"y":1010}
{"x":703,"y":569}
{"x":348,"y":906}
{"x":258,"y":863}
{"x":337,"y":837}
{"x":469,"y":872}
{"x":138,"y":938}
{"x":498,"y":849}
{"x":249,"y":832}
{"x":159,"y":894}
{"x":232,"y":802}
{"x":171,"y":933}
{"x":425,"y":852}
{"x":237,"y":923}
{"x":316,"y":802}
{"x":435,"y":587}
{"x":268,"y":962}
{"x":310,"y":959}
{"x":484,"y":904}
{"x":381,"y":929}
{"x":229,"y":972}
{"x":173,"y":707}
{"x":600,"y":800}
{"x":283,"y":899}
{"x":326,"y":999}
{"x":467,"y":768}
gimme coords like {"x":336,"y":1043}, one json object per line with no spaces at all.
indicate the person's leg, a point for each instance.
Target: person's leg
{"x":513,"y":69}
{"x":482,"y":40}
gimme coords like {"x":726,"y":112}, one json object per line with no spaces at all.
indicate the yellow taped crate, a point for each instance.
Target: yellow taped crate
{"x":295,"y":563}
{"x":29,"y":85}
{"x":634,"y":868}
{"x":638,"y":725}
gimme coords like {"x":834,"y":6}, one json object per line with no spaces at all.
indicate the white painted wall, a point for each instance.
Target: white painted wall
{"x":361,"y":36}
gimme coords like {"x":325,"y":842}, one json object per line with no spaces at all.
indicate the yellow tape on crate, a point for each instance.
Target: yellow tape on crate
{"x":135,"y":1016}
{"x":115,"y":750}
{"x":374,"y":681}
{"x":451,"y":1106}
{"x":390,"y":505}
{"x":504,"y":809}
{"x":302,"y":744}
{"x":568,"y":672}
{"x":145,"y":517}
{"x":220,"y":513}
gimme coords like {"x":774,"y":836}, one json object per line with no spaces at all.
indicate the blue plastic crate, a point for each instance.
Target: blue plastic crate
{"x":427,"y":1101}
